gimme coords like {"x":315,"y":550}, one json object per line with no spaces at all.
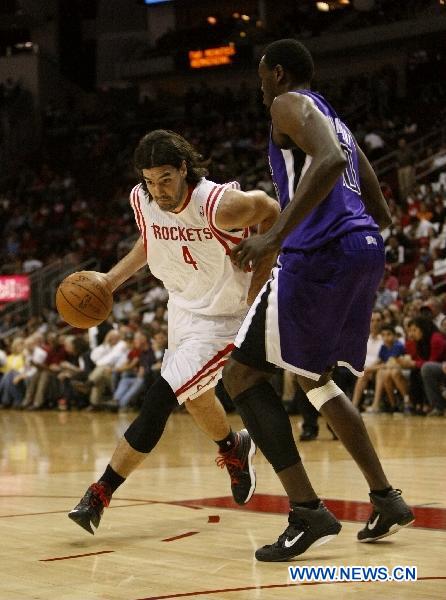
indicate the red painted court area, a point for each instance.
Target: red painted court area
{"x":346,"y":510}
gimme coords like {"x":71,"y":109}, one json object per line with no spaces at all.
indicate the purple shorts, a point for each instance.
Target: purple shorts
{"x":315,"y":310}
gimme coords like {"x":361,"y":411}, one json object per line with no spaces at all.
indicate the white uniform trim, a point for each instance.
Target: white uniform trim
{"x":289,"y":164}
{"x":342,"y":363}
{"x":272,"y":333}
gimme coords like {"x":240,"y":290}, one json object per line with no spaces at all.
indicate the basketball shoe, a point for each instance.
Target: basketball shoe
{"x":89,"y":510}
{"x":390,"y":513}
{"x":307,"y":527}
{"x":238,"y":461}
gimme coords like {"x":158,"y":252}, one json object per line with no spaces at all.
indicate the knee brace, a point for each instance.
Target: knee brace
{"x":146,"y":430}
{"x":266,"y":420}
{"x":320,"y":395}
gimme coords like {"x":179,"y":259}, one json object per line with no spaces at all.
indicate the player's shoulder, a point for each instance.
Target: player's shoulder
{"x":137,"y":192}
{"x":294,"y":100}
{"x":207,"y":190}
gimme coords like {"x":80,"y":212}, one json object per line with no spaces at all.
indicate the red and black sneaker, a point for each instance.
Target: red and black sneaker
{"x":238,"y":461}
{"x":89,"y":510}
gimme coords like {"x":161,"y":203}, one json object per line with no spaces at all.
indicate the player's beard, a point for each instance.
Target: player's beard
{"x":172,"y":204}
{"x":168,"y":204}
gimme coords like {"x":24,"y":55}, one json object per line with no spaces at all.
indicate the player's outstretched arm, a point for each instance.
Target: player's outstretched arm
{"x":374,"y":201}
{"x":238,"y":210}
{"x":127,"y":266}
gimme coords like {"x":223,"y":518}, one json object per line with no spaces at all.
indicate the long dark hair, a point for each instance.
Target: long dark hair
{"x":428,"y":328}
{"x":164,"y":147}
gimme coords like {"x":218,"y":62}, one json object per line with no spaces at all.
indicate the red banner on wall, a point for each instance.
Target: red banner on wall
{"x":14,"y":287}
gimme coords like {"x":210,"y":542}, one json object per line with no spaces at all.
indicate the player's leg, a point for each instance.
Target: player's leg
{"x":139,"y":439}
{"x":236,"y":449}
{"x":346,"y":421}
{"x":209,"y":415}
{"x":246,"y":378}
{"x":360,"y":261}
{"x":390,"y":512}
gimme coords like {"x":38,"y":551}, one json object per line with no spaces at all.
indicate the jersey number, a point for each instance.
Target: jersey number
{"x":350,"y":178}
{"x":188,"y":258}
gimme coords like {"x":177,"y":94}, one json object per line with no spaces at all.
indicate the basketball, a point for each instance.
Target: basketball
{"x":83,"y":299}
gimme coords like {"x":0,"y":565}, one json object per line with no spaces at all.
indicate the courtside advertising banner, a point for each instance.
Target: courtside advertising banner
{"x":14,"y":287}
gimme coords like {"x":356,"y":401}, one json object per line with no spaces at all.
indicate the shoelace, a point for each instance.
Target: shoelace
{"x":98,"y":490}
{"x":232,"y":463}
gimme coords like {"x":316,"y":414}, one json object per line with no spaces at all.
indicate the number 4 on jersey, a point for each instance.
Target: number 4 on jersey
{"x":188,"y":258}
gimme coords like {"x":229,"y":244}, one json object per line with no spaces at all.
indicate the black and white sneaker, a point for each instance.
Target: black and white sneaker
{"x":389,"y":515}
{"x":238,"y":461}
{"x":307,"y":528}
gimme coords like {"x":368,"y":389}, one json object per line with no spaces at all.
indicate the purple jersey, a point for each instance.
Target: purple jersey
{"x":342,"y":211}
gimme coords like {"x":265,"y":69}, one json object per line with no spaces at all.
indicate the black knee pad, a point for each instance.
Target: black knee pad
{"x":266,"y":420}
{"x":146,"y":430}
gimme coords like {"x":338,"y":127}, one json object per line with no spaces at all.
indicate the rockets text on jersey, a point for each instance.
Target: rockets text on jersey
{"x":190,"y":254}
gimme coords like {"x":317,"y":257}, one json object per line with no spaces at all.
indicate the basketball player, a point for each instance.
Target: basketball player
{"x":315,"y":310}
{"x":188,"y":227}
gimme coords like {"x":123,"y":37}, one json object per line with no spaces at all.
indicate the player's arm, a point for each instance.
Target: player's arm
{"x":294,"y":116}
{"x":299,"y":123}
{"x":238,"y":210}
{"x":127,"y":266}
{"x":371,"y":193}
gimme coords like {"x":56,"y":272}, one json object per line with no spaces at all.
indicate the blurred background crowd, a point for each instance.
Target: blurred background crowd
{"x":66,"y":147}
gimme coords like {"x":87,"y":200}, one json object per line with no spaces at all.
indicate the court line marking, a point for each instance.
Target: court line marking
{"x":346,"y":510}
{"x":178,"y":537}
{"x":268,"y":587}
{"x":75,"y":556}
{"x":139,"y":502}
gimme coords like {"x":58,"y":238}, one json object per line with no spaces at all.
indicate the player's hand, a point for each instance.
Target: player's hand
{"x":252,"y":250}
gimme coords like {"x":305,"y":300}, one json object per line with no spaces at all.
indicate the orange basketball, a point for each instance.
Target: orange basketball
{"x":83,"y":299}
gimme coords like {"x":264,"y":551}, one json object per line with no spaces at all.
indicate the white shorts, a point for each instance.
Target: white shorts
{"x":198,"y":348}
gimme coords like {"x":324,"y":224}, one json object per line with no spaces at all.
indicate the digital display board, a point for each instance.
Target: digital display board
{"x":212,"y":57}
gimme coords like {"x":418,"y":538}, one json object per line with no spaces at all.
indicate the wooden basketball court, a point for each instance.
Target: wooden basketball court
{"x":172,"y":530}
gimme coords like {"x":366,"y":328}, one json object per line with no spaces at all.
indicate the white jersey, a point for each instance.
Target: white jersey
{"x":190,"y":254}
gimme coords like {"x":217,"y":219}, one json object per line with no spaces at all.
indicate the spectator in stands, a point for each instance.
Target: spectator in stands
{"x":421,"y":278}
{"x":35,"y":356}
{"x":425,"y":344}
{"x":14,"y":365}
{"x":44,"y":387}
{"x":374,"y":143}
{"x":110,"y":354}
{"x":433,"y":309}
{"x":139,"y":375}
{"x":74,"y":373}
{"x":159,"y":346}
{"x":3,"y":359}
{"x":405,"y":159}
{"x":418,"y":229}
{"x":394,"y":253}
{"x":391,"y":348}
{"x":433,"y":375}
{"x":384,"y":296}
{"x":374,"y":344}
